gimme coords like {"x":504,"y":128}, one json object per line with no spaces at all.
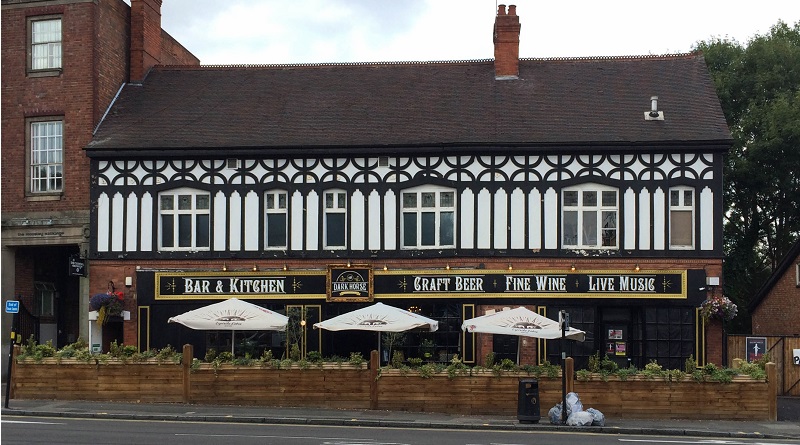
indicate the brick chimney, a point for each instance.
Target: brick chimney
{"x":506,"y":43}
{"x":145,"y":37}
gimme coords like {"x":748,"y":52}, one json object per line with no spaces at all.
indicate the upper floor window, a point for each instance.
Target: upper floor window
{"x":428,"y":218}
{"x":589,"y":217}
{"x":335,"y":219}
{"x":276,"y":219}
{"x":46,"y":156}
{"x":45,"y":46}
{"x":681,"y":217}
{"x":185,"y":220}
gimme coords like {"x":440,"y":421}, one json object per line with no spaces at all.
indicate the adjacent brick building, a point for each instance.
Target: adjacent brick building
{"x":63,"y":63}
{"x":775,"y":309}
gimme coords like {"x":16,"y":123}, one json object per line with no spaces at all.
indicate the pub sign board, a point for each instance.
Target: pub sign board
{"x":350,"y":283}
{"x":251,"y":285}
{"x":77,"y":266}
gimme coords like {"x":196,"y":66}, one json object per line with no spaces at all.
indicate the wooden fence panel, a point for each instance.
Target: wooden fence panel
{"x":780,"y":352}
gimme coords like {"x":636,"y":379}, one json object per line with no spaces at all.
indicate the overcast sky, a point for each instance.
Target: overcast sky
{"x":316,"y":31}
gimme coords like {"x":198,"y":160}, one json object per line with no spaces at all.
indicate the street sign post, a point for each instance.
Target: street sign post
{"x":12,"y":307}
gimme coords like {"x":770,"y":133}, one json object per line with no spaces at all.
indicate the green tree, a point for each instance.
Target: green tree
{"x":759,"y":89}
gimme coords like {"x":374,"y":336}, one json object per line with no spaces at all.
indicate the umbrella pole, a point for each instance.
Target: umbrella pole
{"x":233,"y":340}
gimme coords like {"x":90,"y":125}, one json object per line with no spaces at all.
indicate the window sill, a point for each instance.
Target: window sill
{"x":35,"y":198}
{"x":46,"y":73}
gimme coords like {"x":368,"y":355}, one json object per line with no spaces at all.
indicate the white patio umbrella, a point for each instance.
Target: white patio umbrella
{"x":520,"y":321}
{"x":233,"y":314}
{"x":378,"y":318}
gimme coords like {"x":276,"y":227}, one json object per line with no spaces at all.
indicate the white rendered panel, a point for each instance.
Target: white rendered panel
{"x":146,"y":223}
{"x":235,"y":232}
{"x":312,"y":221}
{"x":644,"y":220}
{"x":484,"y":220}
{"x":517,"y":219}
{"x":296,"y":225}
{"x":659,"y":220}
{"x":357,"y":234}
{"x":535,"y":219}
{"x":390,"y":220}
{"x":551,"y":231}
{"x":629,"y":241}
{"x":132,"y":228}
{"x":374,"y":208}
{"x":117,"y":205}
{"x":501,"y":220}
{"x":103,"y":215}
{"x":467,"y":209}
{"x":220,"y":225}
{"x":706,"y":219}
{"x":251,"y":219}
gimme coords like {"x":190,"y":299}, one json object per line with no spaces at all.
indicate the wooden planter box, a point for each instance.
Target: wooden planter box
{"x":344,"y":386}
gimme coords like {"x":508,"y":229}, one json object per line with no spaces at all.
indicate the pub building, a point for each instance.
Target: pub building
{"x":448,"y":188}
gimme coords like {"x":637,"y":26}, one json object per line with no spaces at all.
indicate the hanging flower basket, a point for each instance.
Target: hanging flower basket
{"x":718,"y":307}
{"x":107,"y":305}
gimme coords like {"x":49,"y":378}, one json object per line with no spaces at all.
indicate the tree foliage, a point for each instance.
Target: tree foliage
{"x":759,"y":89}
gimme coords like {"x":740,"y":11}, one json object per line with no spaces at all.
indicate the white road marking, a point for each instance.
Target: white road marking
{"x":704,"y":442}
{"x":28,"y":421}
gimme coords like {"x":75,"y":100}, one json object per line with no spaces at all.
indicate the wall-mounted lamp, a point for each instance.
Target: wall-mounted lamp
{"x":285,"y":267}
{"x":510,"y":267}
{"x":385,"y":267}
{"x":348,"y":263}
{"x":572,"y":267}
{"x":637,"y":268}
{"x":128,"y":281}
{"x":255,"y":268}
{"x":224,"y":267}
{"x":447,"y":267}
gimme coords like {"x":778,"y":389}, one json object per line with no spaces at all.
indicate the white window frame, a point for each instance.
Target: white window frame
{"x":276,"y":203}
{"x":45,"y":155}
{"x":45,"y":47}
{"x":681,"y":207}
{"x":335,"y":207}
{"x":598,"y":212}
{"x":439,"y":211}
{"x":45,"y":298}
{"x":200,"y":204}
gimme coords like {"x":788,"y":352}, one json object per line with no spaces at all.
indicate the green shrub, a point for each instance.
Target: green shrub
{"x":691,"y":365}
{"x":415,"y":362}
{"x":314,"y":357}
{"x":488,"y":359}
{"x":397,"y":359}
{"x":211,"y":354}
{"x":356,"y":359}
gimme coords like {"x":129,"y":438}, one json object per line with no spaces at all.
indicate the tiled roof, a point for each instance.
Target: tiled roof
{"x":592,"y":102}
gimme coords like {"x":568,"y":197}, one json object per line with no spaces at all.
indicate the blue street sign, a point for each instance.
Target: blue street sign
{"x":12,"y":306}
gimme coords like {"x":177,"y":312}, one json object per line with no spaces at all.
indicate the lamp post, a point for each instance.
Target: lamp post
{"x":563,"y":319}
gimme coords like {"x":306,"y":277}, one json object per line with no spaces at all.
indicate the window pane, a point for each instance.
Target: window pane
{"x":329,"y":200}
{"x":409,"y":201}
{"x":409,"y":229}
{"x":276,"y":229}
{"x":674,"y":198}
{"x":590,"y":198}
{"x":571,"y":199}
{"x":184,"y":202}
{"x":202,"y":201}
{"x":334,"y":229}
{"x":446,"y":199}
{"x":270,"y":201}
{"x":167,"y":202}
{"x":609,"y":233}
{"x":609,"y":199}
{"x":609,"y":220}
{"x":202,"y":222}
{"x":342,"y":200}
{"x":428,"y":199}
{"x":281,"y":200}
{"x":589,"y":229}
{"x":428,"y":229}
{"x":184,"y":230}
{"x":571,"y":228}
{"x":687,"y":197}
{"x":446,"y":229}
{"x":680,"y":228}
{"x":167,"y":231}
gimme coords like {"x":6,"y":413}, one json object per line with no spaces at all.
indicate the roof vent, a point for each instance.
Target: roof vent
{"x":654,"y":114}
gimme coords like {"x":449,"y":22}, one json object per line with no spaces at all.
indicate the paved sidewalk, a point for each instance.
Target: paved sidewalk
{"x":782,"y":429}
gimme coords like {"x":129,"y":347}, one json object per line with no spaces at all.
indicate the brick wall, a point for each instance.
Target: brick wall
{"x":779,"y":311}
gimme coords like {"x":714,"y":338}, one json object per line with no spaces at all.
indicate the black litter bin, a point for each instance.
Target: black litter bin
{"x":528,"y":401}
